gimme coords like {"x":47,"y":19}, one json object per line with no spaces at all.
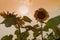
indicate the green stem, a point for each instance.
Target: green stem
{"x":19,"y":30}
{"x":41,"y":31}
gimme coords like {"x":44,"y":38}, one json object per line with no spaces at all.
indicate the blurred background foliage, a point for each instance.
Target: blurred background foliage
{"x":11,"y":19}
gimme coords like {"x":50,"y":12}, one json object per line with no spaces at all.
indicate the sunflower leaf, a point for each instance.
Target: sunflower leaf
{"x":28,"y":27}
{"x":50,"y":36}
{"x":6,"y":37}
{"x":36,"y":32}
{"x":35,"y":26}
{"x":27,"y":19}
{"x":24,"y":35}
{"x":52,"y":23}
{"x":17,"y":34}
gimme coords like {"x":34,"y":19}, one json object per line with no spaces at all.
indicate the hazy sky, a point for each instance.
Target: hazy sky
{"x":52,"y":7}
{"x":14,"y":5}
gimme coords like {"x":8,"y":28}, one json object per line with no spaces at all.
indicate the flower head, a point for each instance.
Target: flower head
{"x":41,"y":15}
{"x":11,"y":19}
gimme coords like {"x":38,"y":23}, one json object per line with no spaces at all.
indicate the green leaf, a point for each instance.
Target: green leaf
{"x":28,"y":27}
{"x":6,"y":37}
{"x":27,"y":19}
{"x":36,"y":25}
{"x":24,"y":35}
{"x":17,"y":34}
{"x":50,"y":36}
{"x":52,"y":23}
{"x":36,"y":31}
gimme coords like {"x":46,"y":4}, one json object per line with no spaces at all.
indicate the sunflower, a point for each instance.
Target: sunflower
{"x":41,"y":15}
{"x":11,"y":19}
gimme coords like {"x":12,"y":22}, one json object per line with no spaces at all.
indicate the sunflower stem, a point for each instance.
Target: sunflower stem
{"x":19,"y":30}
{"x":41,"y":31}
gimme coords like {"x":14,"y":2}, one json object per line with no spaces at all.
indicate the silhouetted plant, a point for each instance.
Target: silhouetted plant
{"x":18,"y":22}
{"x":40,"y":15}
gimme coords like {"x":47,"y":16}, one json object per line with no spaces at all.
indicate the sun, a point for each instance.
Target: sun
{"x":24,"y":9}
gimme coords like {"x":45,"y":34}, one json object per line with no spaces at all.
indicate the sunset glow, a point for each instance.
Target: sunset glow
{"x":24,"y":9}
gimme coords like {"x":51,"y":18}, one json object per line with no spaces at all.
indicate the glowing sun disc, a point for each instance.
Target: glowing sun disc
{"x":23,"y":9}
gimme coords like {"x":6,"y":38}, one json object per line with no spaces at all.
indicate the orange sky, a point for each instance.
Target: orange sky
{"x":14,"y":5}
